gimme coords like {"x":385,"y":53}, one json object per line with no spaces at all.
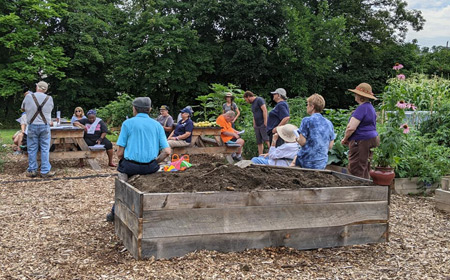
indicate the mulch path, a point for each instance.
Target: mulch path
{"x":57,"y":230}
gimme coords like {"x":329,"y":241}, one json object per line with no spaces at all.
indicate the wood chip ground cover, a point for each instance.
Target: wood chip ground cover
{"x":56,"y":230}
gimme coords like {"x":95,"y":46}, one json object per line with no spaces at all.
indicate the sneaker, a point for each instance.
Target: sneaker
{"x":48,"y":175}
{"x":110,"y":217}
{"x":31,"y":174}
{"x":238,"y":158}
{"x":17,"y":152}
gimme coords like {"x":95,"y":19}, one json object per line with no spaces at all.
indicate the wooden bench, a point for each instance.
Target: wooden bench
{"x":202,"y":144}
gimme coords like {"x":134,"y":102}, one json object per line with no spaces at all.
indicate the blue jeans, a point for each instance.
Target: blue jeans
{"x":260,"y":160}
{"x":39,"y":138}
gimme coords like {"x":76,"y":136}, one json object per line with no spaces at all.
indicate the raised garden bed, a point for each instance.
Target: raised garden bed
{"x":442,"y":196}
{"x":405,"y":186}
{"x":226,"y":208}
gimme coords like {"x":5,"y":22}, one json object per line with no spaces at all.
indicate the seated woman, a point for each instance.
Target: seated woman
{"x":282,"y":155}
{"x":95,"y":133}
{"x":181,"y":136}
{"x":316,"y":136}
{"x":78,"y":114}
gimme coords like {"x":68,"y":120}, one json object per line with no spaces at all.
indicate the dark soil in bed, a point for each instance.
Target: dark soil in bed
{"x":216,"y":176}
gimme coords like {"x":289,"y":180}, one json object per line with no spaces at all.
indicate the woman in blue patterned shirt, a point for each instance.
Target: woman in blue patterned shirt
{"x":316,"y":136}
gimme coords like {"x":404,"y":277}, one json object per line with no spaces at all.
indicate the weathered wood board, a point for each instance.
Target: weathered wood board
{"x":442,"y":198}
{"x":405,"y":186}
{"x":166,"y":225}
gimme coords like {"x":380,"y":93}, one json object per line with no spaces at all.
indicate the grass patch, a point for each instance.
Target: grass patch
{"x":6,"y":136}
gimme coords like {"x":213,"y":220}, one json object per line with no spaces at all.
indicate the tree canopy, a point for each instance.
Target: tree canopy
{"x":91,"y":51}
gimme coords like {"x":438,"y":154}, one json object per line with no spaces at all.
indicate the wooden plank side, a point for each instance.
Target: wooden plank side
{"x":128,"y":218}
{"x":442,"y":196}
{"x":171,"y":201}
{"x":259,"y":218}
{"x":309,"y":238}
{"x":69,"y":155}
{"x":130,"y":196}
{"x":130,"y":241}
{"x":350,"y":177}
{"x":443,"y":206}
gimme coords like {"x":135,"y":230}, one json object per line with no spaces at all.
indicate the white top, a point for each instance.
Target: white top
{"x":283,"y":155}
{"x":30,"y":107}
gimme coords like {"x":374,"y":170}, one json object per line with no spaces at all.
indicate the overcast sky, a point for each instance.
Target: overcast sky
{"x":436,"y":31}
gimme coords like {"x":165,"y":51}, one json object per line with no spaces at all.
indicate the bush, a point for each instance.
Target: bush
{"x":116,"y":112}
{"x":424,"y":158}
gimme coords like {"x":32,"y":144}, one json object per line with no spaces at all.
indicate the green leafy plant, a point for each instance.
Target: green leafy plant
{"x":424,"y":158}
{"x":116,"y":112}
{"x":339,"y":118}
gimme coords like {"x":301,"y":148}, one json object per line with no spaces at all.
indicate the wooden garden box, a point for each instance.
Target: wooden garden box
{"x":166,"y":225}
{"x":405,"y":186}
{"x":442,"y":196}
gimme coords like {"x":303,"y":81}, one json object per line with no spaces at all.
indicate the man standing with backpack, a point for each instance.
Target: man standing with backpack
{"x":38,"y":107}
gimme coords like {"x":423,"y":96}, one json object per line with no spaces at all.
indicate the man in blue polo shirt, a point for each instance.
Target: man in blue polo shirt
{"x":142,"y":144}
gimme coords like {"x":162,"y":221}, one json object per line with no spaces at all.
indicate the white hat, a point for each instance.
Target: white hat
{"x":281,"y":92}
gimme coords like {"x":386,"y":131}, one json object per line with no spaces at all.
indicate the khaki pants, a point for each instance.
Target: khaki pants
{"x":178,"y":143}
{"x":360,"y":155}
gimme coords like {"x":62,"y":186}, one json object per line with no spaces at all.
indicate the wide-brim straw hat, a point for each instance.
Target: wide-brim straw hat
{"x":365,"y":90}
{"x":286,"y":132}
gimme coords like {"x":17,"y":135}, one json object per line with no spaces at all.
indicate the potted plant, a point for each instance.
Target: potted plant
{"x":392,"y":137}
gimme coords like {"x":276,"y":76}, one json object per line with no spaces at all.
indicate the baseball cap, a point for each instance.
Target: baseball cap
{"x":42,"y":85}
{"x":281,"y":92}
{"x":164,"y":107}
{"x":186,"y":110}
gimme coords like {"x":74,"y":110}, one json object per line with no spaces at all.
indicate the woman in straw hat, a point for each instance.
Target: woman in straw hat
{"x":361,"y":133}
{"x":284,"y":154}
{"x":316,"y":136}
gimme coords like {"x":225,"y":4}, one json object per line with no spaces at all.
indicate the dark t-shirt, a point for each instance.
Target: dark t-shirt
{"x":101,"y":128}
{"x":183,"y":127}
{"x":278,"y":113}
{"x":257,"y":112}
{"x":367,"y":127}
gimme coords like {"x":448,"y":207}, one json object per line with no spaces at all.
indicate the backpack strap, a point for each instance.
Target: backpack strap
{"x":39,"y":109}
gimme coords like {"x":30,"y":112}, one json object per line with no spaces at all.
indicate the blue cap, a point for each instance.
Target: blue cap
{"x":186,"y":110}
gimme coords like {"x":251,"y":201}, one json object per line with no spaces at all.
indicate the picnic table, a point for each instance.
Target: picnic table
{"x":67,"y":139}
{"x":206,"y":140}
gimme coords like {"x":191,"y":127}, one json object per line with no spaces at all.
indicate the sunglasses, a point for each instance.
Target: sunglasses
{"x":77,"y":111}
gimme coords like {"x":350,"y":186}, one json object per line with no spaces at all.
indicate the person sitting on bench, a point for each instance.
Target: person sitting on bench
{"x":284,"y":154}
{"x":229,"y":135}
{"x":182,"y":135}
{"x":95,"y":133}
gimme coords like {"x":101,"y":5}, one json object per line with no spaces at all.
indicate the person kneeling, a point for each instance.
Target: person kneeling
{"x":228,"y":134}
{"x":282,"y":155}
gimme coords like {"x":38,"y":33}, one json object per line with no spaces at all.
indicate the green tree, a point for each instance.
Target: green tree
{"x":88,"y":33}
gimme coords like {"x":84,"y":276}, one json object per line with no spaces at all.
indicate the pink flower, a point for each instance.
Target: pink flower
{"x":413,"y":107}
{"x":405,"y":128}
{"x":401,"y":104}
{"x":401,"y":77}
{"x":397,"y":66}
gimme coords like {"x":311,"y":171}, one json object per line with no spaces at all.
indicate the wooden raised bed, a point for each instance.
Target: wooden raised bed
{"x":405,"y":186}
{"x":166,"y":225}
{"x":442,"y":196}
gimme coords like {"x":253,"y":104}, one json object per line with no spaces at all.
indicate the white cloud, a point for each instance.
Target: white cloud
{"x":436,"y":30}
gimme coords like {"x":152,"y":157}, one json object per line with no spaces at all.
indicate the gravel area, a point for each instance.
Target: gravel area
{"x":56,"y":229}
